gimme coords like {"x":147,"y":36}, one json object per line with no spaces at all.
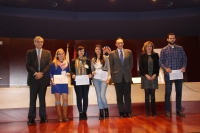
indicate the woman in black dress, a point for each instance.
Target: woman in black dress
{"x":149,"y":70}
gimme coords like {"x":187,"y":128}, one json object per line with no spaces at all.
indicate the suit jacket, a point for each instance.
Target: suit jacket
{"x":118,"y":69}
{"x":32,"y":66}
{"x":143,"y":64}
{"x":106,"y":67}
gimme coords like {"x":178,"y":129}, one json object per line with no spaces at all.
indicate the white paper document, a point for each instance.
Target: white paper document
{"x":176,"y":74}
{"x":60,"y":79}
{"x":82,"y":80}
{"x":102,"y":75}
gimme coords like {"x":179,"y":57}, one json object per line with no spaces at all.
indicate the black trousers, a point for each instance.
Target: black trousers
{"x":123,"y":93}
{"x":40,"y":90}
{"x":82,"y":94}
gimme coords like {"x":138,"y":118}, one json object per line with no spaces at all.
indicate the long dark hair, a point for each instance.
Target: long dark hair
{"x":101,"y":54}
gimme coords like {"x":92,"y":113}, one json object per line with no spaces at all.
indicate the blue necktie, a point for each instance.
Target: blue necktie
{"x":121,"y":57}
{"x":38,"y":60}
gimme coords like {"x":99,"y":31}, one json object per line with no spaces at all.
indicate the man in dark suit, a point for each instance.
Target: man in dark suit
{"x":121,"y":64}
{"x":38,"y":63}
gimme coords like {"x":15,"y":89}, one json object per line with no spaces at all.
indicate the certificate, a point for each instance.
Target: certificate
{"x":102,"y":75}
{"x":176,"y":74}
{"x":82,"y":80}
{"x":60,"y":79}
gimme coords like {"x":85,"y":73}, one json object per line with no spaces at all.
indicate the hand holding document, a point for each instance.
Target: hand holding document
{"x":82,"y":80}
{"x":102,"y":75}
{"x":176,"y":74}
{"x":60,"y":79}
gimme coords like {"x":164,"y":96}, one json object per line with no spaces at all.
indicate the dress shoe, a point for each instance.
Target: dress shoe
{"x":31,"y":121}
{"x":168,"y":114}
{"x":43,"y":120}
{"x":121,"y":115}
{"x":154,"y":115}
{"x":128,"y":115}
{"x":180,"y":113}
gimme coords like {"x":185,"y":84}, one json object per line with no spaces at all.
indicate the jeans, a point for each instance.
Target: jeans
{"x":101,"y":87}
{"x":168,"y":90}
{"x":82,"y":94}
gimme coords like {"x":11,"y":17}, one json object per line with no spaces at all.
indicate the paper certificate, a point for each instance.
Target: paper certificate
{"x":102,"y":75}
{"x":176,"y":74}
{"x":60,"y":79}
{"x":82,"y":80}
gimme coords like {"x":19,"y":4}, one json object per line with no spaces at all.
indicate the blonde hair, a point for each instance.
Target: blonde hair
{"x":145,"y":45}
{"x":38,"y":37}
{"x":55,"y":60}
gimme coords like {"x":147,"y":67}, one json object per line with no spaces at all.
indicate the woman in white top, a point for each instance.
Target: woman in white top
{"x":101,"y":76}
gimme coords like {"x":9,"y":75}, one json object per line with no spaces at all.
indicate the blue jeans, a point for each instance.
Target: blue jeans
{"x":101,"y":87}
{"x":168,"y":90}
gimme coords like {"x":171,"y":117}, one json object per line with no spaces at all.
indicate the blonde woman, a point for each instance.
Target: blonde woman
{"x":60,"y":66}
{"x":149,"y":70}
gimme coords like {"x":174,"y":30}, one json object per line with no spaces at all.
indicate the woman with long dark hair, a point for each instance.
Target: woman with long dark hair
{"x":100,"y":63}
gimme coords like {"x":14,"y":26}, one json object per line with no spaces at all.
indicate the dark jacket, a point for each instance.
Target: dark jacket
{"x":73,"y":69}
{"x":143,"y":64}
{"x":32,"y":66}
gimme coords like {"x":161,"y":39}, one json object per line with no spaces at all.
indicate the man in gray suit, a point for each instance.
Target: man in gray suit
{"x":38,"y":63}
{"x":121,"y":64}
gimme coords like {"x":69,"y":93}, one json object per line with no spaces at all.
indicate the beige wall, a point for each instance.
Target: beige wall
{"x":18,"y":97}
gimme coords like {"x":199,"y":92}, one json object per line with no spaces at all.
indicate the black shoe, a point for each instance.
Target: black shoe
{"x":101,"y":114}
{"x":128,"y":115}
{"x":154,"y":115}
{"x":147,"y":114}
{"x":168,"y":114}
{"x":84,"y":116}
{"x":43,"y":120}
{"x":31,"y":121}
{"x":80,"y":116}
{"x":121,"y":115}
{"x":106,"y":112}
{"x":180,"y":113}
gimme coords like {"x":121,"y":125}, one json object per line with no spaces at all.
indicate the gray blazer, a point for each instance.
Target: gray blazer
{"x":106,"y":67}
{"x":118,"y":69}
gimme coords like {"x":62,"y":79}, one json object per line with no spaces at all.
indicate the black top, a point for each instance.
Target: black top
{"x":73,"y":69}
{"x":143,"y":64}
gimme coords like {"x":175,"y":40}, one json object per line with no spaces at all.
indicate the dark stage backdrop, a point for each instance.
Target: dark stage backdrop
{"x":13,"y":55}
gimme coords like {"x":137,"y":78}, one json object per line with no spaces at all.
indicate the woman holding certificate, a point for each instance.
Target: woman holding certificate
{"x":59,"y":86}
{"x":81,"y":74}
{"x":101,"y":71}
{"x":149,"y":70}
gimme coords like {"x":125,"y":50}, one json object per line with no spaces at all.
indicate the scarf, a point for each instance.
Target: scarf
{"x":63,"y":64}
{"x":80,"y":66}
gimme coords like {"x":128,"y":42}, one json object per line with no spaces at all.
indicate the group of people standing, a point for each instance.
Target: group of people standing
{"x":118,"y":66}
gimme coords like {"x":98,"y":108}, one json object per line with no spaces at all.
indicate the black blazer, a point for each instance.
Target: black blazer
{"x":143,"y":64}
{"x":73,"y":69}
{"x":32,"y":66}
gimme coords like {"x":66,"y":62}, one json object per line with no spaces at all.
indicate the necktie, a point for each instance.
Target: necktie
{"x":121,"y":57}
{"x":38,"y":56}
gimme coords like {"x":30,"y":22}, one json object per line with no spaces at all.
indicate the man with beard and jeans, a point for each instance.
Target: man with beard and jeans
{"x":172,"y":57}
